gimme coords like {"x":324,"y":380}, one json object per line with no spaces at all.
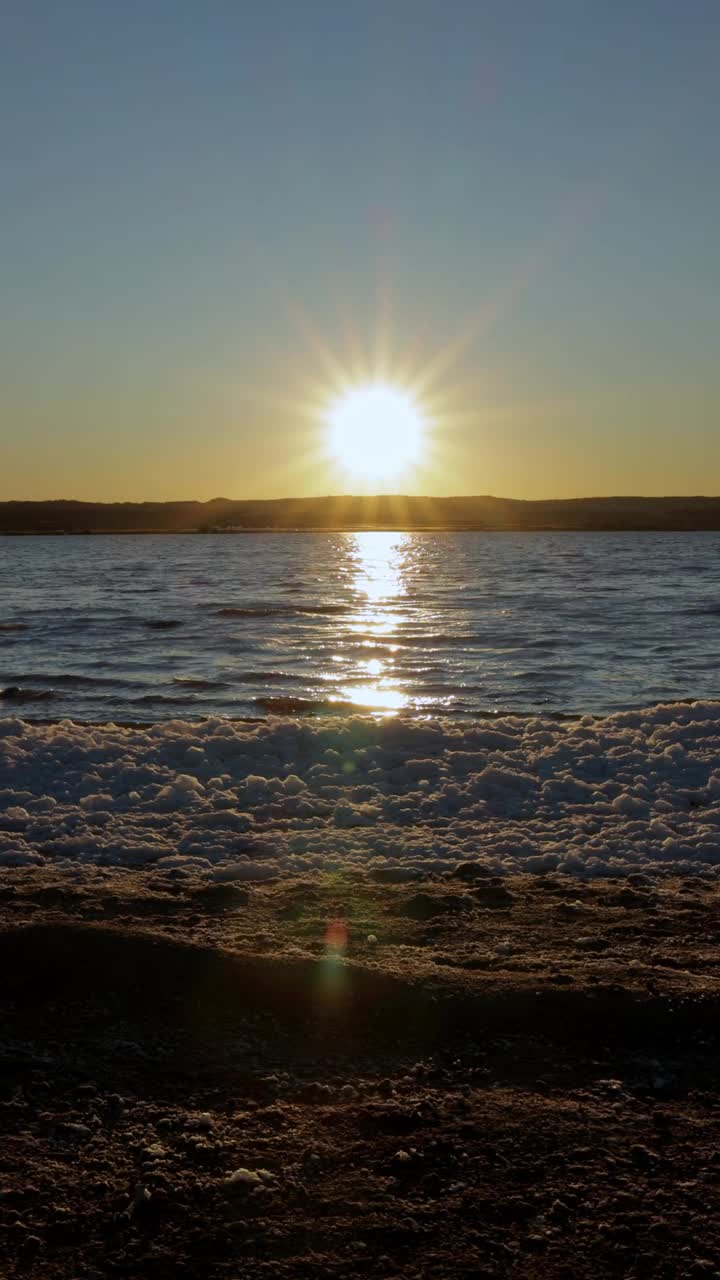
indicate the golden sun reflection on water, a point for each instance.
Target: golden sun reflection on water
{"x":379,"y":584}
{"x":378,"y":565}
{"x":378,"y":699}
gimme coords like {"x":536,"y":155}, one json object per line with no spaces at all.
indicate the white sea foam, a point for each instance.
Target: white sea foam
{"x":635,"y":791}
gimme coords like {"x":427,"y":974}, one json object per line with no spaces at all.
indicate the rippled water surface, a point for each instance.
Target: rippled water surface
{"x":145,"y":627}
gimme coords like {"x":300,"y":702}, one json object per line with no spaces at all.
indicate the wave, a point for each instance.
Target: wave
{"x":66,"y":678}
{"x":158,"y":699}
{"x":14,"y":626}
{"x":418,"y":690}
{"x":14,"y":693}
{"x":289,"y":705}
{"x":197,"y":682}
{"x":280,"y":610}
{"x":432,"y":640}
{"x":162,"y":624}
{"x":275,"y":677}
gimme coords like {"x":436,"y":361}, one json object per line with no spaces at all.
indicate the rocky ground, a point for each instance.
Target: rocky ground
{"x":344,"y":1076}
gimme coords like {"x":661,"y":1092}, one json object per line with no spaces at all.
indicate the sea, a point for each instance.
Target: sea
{"x":137,"y":628}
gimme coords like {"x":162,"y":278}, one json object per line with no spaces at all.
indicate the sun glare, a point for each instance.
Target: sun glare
{"x":376,"y":430}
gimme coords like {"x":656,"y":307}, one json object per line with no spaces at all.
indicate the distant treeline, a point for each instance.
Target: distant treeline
{"x":383,"y":512}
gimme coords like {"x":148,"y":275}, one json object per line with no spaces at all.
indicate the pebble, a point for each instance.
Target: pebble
{"x":115,"y":1109}
{"x":69,"y":1129}
{"x":318,"y":1090}
{"x":154,"y":1152}
{"x":203,"y":1122}
{"x":469,"y":871}
{"x":244,"y":1178}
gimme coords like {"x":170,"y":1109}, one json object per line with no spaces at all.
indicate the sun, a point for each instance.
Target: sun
{"x":376,"y":430}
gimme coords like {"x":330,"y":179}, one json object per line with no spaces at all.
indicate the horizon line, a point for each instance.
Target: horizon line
{"x":365,"y":497}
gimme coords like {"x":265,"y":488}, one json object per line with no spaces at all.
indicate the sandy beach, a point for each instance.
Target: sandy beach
{"x":469,"y":1076}
{"x":361,"y":997}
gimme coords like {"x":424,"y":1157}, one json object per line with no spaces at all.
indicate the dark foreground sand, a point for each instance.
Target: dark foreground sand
{"x":518,"y":1078}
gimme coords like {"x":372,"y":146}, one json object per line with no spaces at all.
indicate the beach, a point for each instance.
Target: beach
{"x":353,"y":920}
{"x":359,"y":603}
{"x":334,"y":1075}
{"x":352,"y":996}
{"x":592,"y":796}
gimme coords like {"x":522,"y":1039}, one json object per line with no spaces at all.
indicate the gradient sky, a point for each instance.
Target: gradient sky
{"x":212,"y":209}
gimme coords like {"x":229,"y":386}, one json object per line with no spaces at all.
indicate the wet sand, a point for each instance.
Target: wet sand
{"x":516,"y":1077}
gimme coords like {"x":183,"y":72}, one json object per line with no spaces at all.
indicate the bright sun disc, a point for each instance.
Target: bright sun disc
{"x":377,"y":430}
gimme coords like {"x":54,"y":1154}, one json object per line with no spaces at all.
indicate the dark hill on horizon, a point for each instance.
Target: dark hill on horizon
{"x":387,"y":511}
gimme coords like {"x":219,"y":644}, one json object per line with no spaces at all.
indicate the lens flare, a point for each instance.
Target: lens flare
{"x":336,"y":937}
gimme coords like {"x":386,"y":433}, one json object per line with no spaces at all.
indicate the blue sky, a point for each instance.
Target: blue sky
{"x":192,"y":189}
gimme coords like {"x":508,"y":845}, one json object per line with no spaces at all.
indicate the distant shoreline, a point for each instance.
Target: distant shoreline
{"x":355,"y":514}
{"x":381,"y":528}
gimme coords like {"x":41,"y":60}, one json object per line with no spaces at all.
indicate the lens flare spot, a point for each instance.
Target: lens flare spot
{"x":336,"y":937}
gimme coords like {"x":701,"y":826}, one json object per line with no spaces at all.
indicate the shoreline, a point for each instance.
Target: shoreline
{"x":364,"y":713}
{"x":314,"y":717}
{"x":385,"y":527}
{"x":248,"y":800}
{"x":361,"y":997}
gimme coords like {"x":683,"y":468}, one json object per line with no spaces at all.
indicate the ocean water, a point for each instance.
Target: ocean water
{"x":143,"y":628}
